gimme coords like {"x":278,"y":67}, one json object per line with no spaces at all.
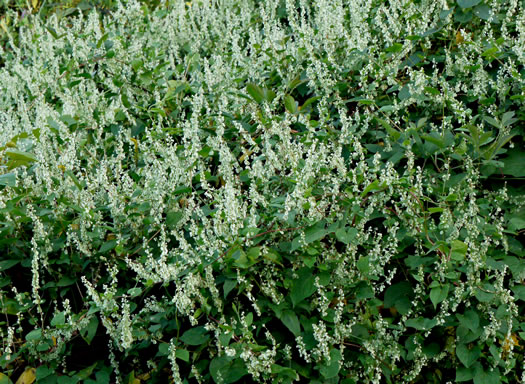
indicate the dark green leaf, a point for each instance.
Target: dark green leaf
{"x":458,"y":251}
{"x":58,"y":319}
{"x":469,"y":319}
{"x":422,"y":324}
{"x":255,"y":92}
{"x":482,"y":11}
{"x":195,"y":336}
{"x":303,"y":287}
{"x":284,"y":372}
{"x":15,"y":154}
{"x":331,"y":369}
{"x":404,"y":93}
{"x":346,"y":235}
{"x":514,"y":163}
{"x":8,"y":179}
{"x":289,"y":104}
{"x":35,"y":334}
{"x":6,"y":264}
{"x":228,"y":368}
{"x":65,"y":281}
{"x":290,"y":319}
{"x":182,"y":190}
{"x":182,"y":354}
{"x":488,"y":376}
{"x":315,"y":232}
{"x":228,"y":286}
{"x":399,"y":296}
{"x":396,"y":47}
{"x":310,"y":101}
{"x":173,"y":218}
{"x":108,"y":246}
{"x":438,"y":294}
{"x":464,"y":374}
{"x":89,"y":332}
{"x":468,"y":3}
{"x":467,"y":356}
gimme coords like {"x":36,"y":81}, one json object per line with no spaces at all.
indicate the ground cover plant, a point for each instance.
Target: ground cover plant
{"x":262,"y":191}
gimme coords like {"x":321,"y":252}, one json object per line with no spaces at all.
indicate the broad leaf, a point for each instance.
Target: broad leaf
{"x":255,"y":92}
{"x":468,"y":3}
{"x":467,"y":355}
{"x":8,"y":179}
{"x":226,"y":369}
{"x":290,"y":319}
{"x":331,"y":369}
{"x":289,"y":104}
{"x":303,"y":287}
{"x":195,"y":336}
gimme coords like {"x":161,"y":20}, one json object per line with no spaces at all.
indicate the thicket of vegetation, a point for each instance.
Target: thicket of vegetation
{"x":232,"y":191}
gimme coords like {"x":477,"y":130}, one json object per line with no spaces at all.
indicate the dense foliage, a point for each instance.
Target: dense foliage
{"x":263,"y":191}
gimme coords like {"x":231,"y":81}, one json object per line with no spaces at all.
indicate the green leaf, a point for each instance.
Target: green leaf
{"x":182,"y":190}
{"x":485,"y":294}
{"x":331,"y":369}
{"x":310,"y":101}
{"x":15,"y":154}
{"x":182,"y":354}
{"x":469,"y":319}
{"x":6,"y":264}
{"x":393,"y":133}
{"x":433,"y":91}
{"x":458,"y":251}
{"x":438,"y":294}
{"x":467,"y":356}
{"x":421,"y":323}
{"x":107,"y":246}
{"x":487,"y":377}
{"x":228,"y":286}
{"x":435,"y":139}
{"x":468,"y":3}
{"x":173,"y":218}
{"x":35,"y":334}
{"x":89,"y":332}
{"x":289,"y":104}
{"x":65,"y":281}
{"x":255,"y":92}
{"x":136,"y":64}
{"x":134,"y":292}
{"x":42,"y":372}
{"x":363,"y":265}
{"x":8,"y":179}
{"x":226,"y":369}
{"x":195,"y":336}
{"x":315,"y":232}
{"x":464,"y":374}
{"x":482,"y":11}
{"x":86,"y":372}
{"x":373,"y":186}
{"x":284,"y":372}
{"x":404,"y":93}
{"x":399,"y":296}
{"x":4,"y":379}
{"x":396,"y":47}
{"x":514,"y":163}
{"x":58,"y":319}
{"x":303,"y":287}
{"x":52,"y":31}
{"x":240,"y":259}
{"x":290,"y":319}
{"x":516,"y":219}
{"x":346,"y":235}
{"x":164,"y":349}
